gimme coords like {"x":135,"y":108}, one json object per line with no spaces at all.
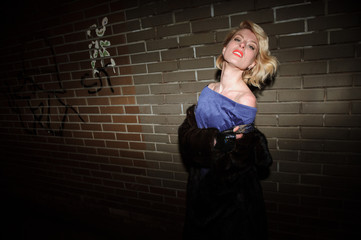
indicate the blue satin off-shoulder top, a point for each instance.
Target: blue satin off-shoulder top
{"x":214,"y":110}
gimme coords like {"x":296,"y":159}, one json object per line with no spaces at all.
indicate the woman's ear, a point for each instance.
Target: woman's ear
{"x":223,"y":50}
{"x":252,"y":65}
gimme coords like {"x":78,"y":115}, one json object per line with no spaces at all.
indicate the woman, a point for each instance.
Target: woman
{"x":224,"y":154}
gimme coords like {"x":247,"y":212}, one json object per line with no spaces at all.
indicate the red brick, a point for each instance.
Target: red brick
{"x":73,"y":36}
{"x":163,"y":89}
{"x":210,"y":24}
{"x":209,"y":50}
{"x":140,"y":146}
{"x":342,"y":120}
{"x":98,"y":101}
{"x":103,"y":135}
{"x":69,"y":67}
{"x":345,"y":65}
{"x":121,"y":80}
{"x":325,"y":107}
{"x":167,"y":109}
{"x":183,"y":98}
{"x":156,"y":138}
{"x":329,"y":52}
{"x":342,"y":146}
{"x":125,"y":119}
{"x":171,"y":148}
{"x":122,"y":100}
{"x":301,"y":120}
{"x":140,"y":35}
{"x":72,"y":141}
{"x":109,"y":183}
{"x":279,"y":107}
{"x":94,"y":143}
{"x":151,"y":197}
{"x":197,"y":39}
{"x":260,"y":16}
{"x":193,"y":13}
{"x":132,"y":109}
{"x":132,"y":154}
{"x":287,"y":55}
{"x":113,"y":127}
{"x":126,"y":26}
{"x":136,"y":171}
{"x":175,"y":29}
{"x":162,"y":66}
{"x":206,"y":74}
{"x":122,"y":162}
{"x":146,"y":164}
{"x":284,"y":28}
{"x":192,"y":87}
{"x":303,"y":68}
{"x":117,"y":144}
{"x":163,"y":19}
{"x":128,"y":90}
{"x":128,"y":136}
{"x":266,"y":120}
{"x":102,"y":118}
{"x":197,"y":63}
{"x":108,"y":152}
{"x":112,"y":110}
{"x":224,"y":8}
{"x":177,"y":54}
{"x":345,"y":35}
{"x":120,"y":60}
{"x":134,"y":128}
{"x":356,"y":107}
{"x":331,"y":22}
{"x":327,"y":80}
{"x":307,"y":145}
{"x":161,"y":44}
{"x":149,"y":78}
{"x":158,"y":156}
{"x":174,"y":184}
{"x":121,"y":5}
{"x":131,"y":48}
{"x":145,"y":57}
{"x":150,"y":99}
{"x":82,"y":134}
{"x":268,"y":96}
{"x":300,"y":11}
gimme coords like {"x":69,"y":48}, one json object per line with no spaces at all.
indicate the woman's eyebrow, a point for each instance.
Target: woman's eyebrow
{"x":243,"y":38}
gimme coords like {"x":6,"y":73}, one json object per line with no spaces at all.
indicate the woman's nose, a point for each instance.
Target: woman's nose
{"x":242,"y":44}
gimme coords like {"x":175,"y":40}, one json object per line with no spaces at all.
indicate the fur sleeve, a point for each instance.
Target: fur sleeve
{"x":251,"y":152}
{"x":263,"y":158}
{"x":195,"y":144}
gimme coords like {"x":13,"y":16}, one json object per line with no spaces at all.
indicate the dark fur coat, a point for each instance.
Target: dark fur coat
{"x":224,"y":195}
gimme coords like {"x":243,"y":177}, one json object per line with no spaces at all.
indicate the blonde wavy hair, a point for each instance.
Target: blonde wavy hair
{"x":266,"y":65}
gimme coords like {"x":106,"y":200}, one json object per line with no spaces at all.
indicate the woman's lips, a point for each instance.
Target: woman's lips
{"x":238,"y":53}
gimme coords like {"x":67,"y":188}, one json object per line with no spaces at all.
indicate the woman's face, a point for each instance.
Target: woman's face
{"x":242,"y":49}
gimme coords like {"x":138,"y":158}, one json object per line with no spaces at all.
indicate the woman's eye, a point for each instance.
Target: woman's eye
{"x":237,"y":39}
{"x":251,"y":47}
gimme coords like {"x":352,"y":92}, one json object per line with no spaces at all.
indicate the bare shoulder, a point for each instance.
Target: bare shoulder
{"x":247,"y":99}
{"x":213,"y":86}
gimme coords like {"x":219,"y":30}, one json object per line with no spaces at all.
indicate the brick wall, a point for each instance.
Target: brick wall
{"x":103,"y":139}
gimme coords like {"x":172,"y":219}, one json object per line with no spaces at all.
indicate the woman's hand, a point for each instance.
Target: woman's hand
{"x":235,"y":129}
{"x":238,"y":136}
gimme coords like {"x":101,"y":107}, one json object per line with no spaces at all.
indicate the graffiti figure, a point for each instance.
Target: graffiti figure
{"x":98,"y":51}
{"x":38,"y":108}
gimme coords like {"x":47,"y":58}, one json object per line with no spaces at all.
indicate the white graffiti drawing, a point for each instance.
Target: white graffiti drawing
{"x":97,"y":47}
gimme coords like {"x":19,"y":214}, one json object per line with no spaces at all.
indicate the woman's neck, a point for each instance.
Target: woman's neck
{"x":231,"y":78}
